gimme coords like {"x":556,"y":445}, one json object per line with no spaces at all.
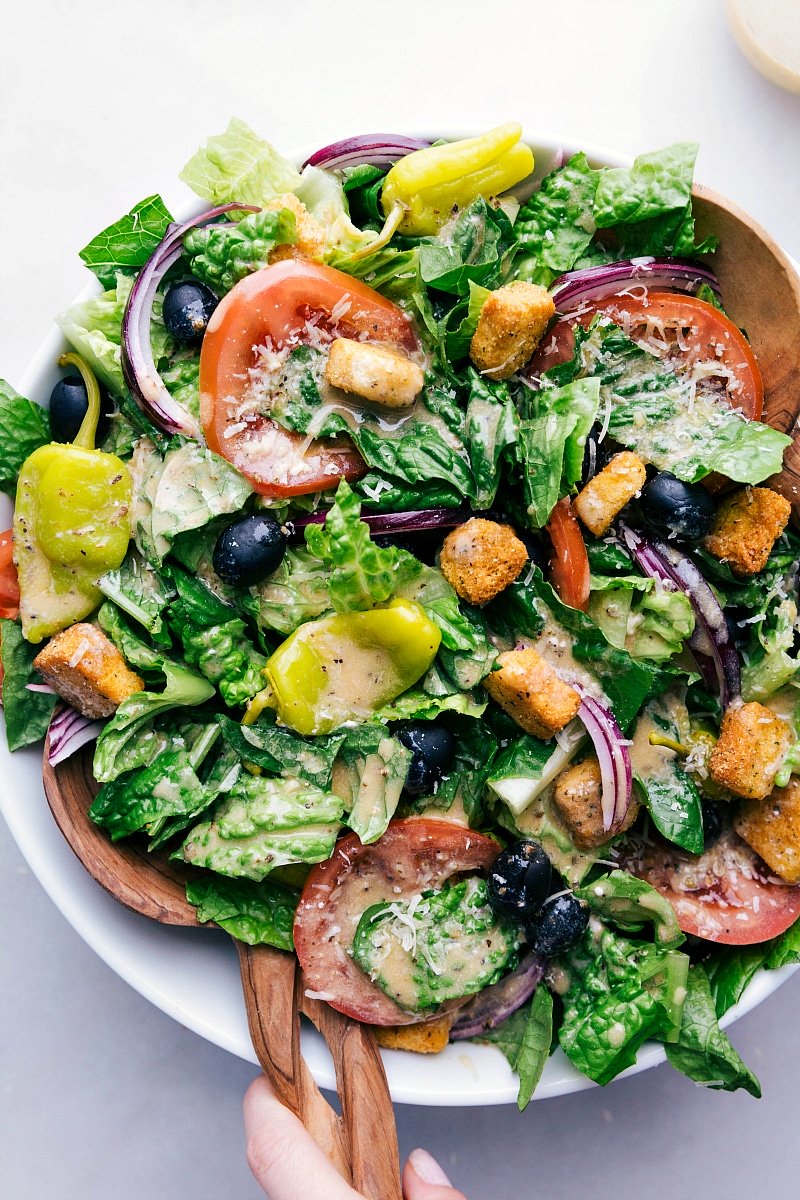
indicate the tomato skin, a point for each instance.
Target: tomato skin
{"x":705,"y":329}
{"x":726,"y":895}
{"x":9,"y":584}
{"x":275,"y":303}
{"x":412,"y":855}
{"x":569,"y":566}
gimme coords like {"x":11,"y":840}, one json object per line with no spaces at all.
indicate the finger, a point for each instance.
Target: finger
{"x":424,"y":1179}
{"x":283,"y":1156}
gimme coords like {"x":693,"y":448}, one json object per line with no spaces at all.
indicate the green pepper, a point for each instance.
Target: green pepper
{"x":347,"y":666}
{"x":430,"y":183}
{"x":71,"y":523}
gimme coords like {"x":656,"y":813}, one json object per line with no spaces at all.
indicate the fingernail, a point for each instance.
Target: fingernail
{"x":427,"y":1168}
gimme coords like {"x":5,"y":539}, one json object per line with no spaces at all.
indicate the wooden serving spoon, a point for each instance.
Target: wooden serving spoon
{"x":761,"y":293}
{"x":362,"y":1142}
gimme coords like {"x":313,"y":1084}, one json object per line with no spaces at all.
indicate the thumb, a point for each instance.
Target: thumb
{"x":282,"y":1154}
{"x":424,"y":1179}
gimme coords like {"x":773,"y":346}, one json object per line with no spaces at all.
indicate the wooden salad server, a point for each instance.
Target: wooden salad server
{"x":761,"y":293}
{"x":362,"y":1142}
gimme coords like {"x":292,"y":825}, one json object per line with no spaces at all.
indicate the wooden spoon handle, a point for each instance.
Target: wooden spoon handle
{"x":362,"y":1143}
{"x":367,"y":1116}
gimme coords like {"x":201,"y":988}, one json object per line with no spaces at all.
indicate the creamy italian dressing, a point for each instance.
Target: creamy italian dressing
{"x":554,"y":645}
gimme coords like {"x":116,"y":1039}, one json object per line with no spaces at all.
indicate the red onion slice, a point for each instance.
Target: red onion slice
{"x":416,"y":521}
{"x":495,"y":1004}
{"x":595,"y":283}
{"x":68,"y":731}
{"x":368,"y":149}
{"x":710,"y":642}
{"x":138,"y":367}
{"x":611,"y":748}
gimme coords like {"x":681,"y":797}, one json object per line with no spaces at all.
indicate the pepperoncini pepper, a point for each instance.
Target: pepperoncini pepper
{"x":71,"y":523}
{"x":347,"y":666}
{"x":431,"y":182}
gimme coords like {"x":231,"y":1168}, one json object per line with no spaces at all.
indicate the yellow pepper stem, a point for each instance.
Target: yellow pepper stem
{"x":396,"y":214}
{"x":85,"y":437}
{"x":658,"y":739}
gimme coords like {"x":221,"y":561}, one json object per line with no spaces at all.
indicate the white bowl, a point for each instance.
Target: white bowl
{"x":192,"y":975}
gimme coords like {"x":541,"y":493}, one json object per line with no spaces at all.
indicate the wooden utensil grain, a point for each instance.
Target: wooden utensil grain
{"x":362,"y":1142}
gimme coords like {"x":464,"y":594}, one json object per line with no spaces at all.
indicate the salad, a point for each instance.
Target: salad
{"x":398,"y":545}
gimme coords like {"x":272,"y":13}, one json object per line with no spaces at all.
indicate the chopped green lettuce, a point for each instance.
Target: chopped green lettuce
{"x":637,"y":616}
{"x":629,"y":903}
{"x":371,"y":773}
{"x":556,"y":226}
{"x":146,"y":799}
{"x":475,"y":246}
{"x":141,"y":591}
{"x":296,"y":592}
{"x":260,"y":914}
{"x":183,"y":689}
{"x":221,"y":255}
{"x":239,"y":165}
{"x":360,"y":573}
{"x":24,"y":427}
{"x":280,"y":751}
{"x":525,"y":1038}
{"x":703,"y":1051}
{"x":552,"y":440}
{"x":265,"y":823}
{"x":27,"y":714}
{"x":128,"y":243}
{"x":620,"y":993}
{"x":491,"y":427}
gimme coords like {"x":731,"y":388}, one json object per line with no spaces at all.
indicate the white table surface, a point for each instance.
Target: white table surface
{"x":103,"y":1097}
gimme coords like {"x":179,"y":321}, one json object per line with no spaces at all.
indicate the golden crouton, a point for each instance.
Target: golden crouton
{"x":609,"y":491}
{"x":480,"y":558}
{"x":510,"y":327}
{"x":311,"y":240}
{"x":529,"y":690}
{"x":429,"y":1038}
{"x":375,"y":373}
{"x":746,"y":527}
{"x":87,"y":670}
{"x":752,"y":745}
{"x":577,"y":796}
{"x":772,"y":828}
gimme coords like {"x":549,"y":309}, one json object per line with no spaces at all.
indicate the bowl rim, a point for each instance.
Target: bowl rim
{"x":81,"y":905}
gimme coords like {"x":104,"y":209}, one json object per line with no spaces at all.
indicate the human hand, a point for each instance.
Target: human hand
{"x":289,"y":1165}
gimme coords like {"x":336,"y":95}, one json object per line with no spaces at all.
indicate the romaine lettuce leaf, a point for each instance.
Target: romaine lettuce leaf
{"x":221,"y":255}
{"x":551,"y":441}
{"x":239,"y":165}
{"x":183,"y":688}
{"x":146,"y":799}
{"x":557,"y":224}
{"x":417,"y":704}
{"x":360,"y":573}
{"x":475,"y":246}
{"x":525,"y":1039}
{"x":141,"y":592}
{"x":128,"y":243}
{"x":703,"y":1051}
{"x":279,"y":751}
{"x":491,"y":426}
{"x":24,"y":426}
{"x":260,"y":914}
{"x":193,"y":486}
{"x":265,"y":823}
{"x":621,"y":993}
{"x":371,"y":772}
{"x":296,"y":592}
{"x":661,"y":620}
{"x":27,"y":714}
{"x":631,"y":904}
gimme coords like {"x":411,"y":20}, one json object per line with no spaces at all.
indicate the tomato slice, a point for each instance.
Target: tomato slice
{"x":9,"y":584}
{"x":697,"y":331}
{"x":727,"y":895}
{"x":569,"y":566}
{"x":275,"y":304}
{"x":413,"y":855}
